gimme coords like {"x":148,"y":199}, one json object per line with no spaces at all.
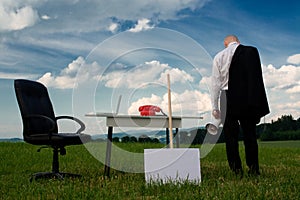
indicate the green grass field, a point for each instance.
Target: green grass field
{"x":279,"y":161}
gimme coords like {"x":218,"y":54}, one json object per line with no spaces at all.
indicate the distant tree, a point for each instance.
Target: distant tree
{"x":284,"y":123}
{"x":284,"y":128}
{"x":116,"y":139}
{"x":155,"y":140}
{"x":125,"y":139}
{"x":267,"y":135}
{"x":144,"y":139}
{"x":298,"y":123}
{"x":133,"y":139}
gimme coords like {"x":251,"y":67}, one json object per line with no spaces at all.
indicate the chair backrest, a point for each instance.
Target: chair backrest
{"x":33,"y":99}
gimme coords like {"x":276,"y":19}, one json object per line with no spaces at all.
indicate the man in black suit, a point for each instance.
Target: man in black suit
{"x":237,"y":72}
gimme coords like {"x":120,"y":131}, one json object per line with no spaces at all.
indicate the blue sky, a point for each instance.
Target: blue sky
{"x":89,"y":52}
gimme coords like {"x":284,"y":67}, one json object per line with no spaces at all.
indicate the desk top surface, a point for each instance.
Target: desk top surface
{"x":114,"y":115}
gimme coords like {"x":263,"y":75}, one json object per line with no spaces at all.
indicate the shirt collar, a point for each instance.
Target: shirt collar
{"x":231,"y":43}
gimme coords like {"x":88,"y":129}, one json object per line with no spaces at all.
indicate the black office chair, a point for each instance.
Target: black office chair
{"x":40,"y":124}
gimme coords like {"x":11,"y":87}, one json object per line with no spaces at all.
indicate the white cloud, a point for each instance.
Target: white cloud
{"x":294,"y":59}
{"x":139,"y":76}
{"x":190,"y":102}
{"x":284,"y":105}
{"x":286,"y":78}
{"x":149,"y":72}
{"x":5,"y":75}
{"x":294,"y":89}
{"x":47,"y":79}
{"x":113,"y":27}
{"x":283,"y":89}
{"x":142,"y":24}
{"x":204,"y":83}
{"x":73,"y":67}
{"x":70,"y":76}
{"x":45,"y":17}
{"x":144,"y":73}
{"x":176,"y":75}
{"x":15,"y":15}
{"x":289,"y":106}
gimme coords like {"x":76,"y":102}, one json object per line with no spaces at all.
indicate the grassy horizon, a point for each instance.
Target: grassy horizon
{"x":279,"y":162}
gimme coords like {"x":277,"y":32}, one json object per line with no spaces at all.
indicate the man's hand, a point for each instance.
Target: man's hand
{"x":216,"y":114}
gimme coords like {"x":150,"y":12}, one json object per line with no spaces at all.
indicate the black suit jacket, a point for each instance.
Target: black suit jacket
{"x":246,"y":96}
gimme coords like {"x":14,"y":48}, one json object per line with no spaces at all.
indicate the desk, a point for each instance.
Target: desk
{"x":157,"y":121}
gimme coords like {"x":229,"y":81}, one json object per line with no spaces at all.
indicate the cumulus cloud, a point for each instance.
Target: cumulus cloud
{"x":142,"y":24}
{"x":286,"y":78}
{"x":140,"y":75}
{"x":294,"y":59}
{"x":290,"y":106}
{"x":177,"y":75}
{"x":189,"y":102}
{"x":283,"y":88}
{"x":69,"y":76}
{"x":15,"y":15}
{"x":284,"y":105}
{"x":149,"y":72}
{"x":204,"y":83}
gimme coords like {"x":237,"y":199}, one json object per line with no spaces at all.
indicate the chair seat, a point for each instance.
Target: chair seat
{"x":60,"y":139}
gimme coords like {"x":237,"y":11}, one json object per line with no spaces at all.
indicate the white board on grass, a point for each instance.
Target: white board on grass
{"x":172,"y":165}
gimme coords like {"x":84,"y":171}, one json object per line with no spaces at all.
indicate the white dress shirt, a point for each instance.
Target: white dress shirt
{"x":220,"y":73}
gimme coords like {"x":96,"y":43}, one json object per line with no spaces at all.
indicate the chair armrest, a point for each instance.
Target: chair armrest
{"x":82,"y":126}
{"x":52,"y":123}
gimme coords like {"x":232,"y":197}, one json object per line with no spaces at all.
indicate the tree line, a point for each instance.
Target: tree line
{"x":284,"y":128}
{"x":132,"y":139}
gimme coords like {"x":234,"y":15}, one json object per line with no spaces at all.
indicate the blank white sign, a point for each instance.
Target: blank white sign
{"x":172,"y":165}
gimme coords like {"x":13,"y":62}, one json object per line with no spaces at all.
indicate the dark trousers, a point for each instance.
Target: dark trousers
{"x":231,"y":130}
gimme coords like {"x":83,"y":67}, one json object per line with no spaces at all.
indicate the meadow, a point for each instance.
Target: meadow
{"x":279,"y":179}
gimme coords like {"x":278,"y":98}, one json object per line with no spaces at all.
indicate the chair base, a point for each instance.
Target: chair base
{"x":55,"y":175}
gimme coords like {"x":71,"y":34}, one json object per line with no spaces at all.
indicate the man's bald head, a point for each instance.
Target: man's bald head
{"x":230,"y":38}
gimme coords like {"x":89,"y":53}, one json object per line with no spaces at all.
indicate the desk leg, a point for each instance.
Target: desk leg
{"x":167,"y":137}
{"x":177,"y":138}
{"x":108,"y":151}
